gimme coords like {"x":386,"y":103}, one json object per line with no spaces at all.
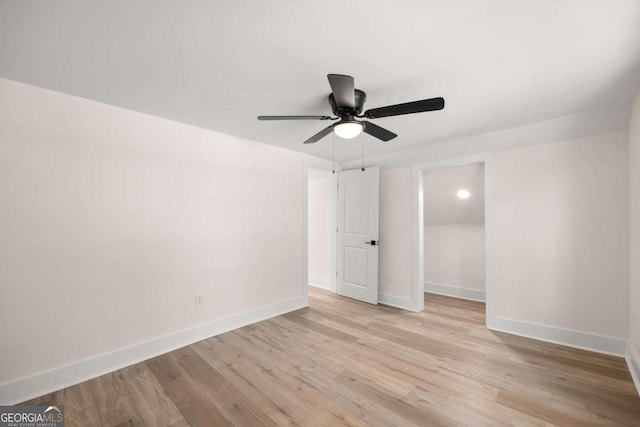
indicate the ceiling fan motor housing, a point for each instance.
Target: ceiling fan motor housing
{"x":360,"y":98}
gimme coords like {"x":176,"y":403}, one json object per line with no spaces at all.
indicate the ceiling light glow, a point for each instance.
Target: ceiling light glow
{"x":463,"y":194}
{"x":348,"y":130}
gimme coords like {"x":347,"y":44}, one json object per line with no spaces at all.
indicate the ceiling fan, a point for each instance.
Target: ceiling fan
{"x":346,"y":103}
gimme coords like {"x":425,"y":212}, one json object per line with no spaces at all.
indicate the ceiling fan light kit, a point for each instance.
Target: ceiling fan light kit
{"x":348,"y":129}
{"x":347,"y":103}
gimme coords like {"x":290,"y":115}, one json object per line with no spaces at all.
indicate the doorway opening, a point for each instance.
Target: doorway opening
{"x":341,"y":236}
{"x":321,"y":228}
{"x":454,"y":232}
{"x":418,"y":173}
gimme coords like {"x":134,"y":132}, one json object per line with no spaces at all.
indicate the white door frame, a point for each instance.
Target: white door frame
{"x":315,"y":163}
{"x":417,"y":227}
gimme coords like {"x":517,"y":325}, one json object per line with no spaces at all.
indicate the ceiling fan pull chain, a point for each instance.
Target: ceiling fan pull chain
{"x":333,"y":152}
{"x":363,"y":155}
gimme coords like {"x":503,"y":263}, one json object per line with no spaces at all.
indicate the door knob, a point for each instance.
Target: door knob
{"x":373,"y":243}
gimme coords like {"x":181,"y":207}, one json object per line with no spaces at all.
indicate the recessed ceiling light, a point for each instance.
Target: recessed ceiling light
{"x":463,"y":194}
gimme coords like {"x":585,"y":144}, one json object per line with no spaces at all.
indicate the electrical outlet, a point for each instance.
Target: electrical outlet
{"x":199,"y":301}
{"x":389,"y":279}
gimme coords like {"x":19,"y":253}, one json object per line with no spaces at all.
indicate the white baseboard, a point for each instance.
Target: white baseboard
{"x":454,"y":291}
{"x":582,"y":340}
{"x":319,"y":283}
{"x":633,"y":362}
{"x":46,"y":382}
{"x":398,"y":302}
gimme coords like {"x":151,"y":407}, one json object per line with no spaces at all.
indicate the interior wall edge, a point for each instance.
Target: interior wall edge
{"x":633,"y":345}
{"x":633,"y":362}
{"x":397,"y":302}
{"x":319,"y":283}
{"x":454,"y":291}
{"x":24,"y":389}
{"x":582,"y":340}
{"x":569,"y":128}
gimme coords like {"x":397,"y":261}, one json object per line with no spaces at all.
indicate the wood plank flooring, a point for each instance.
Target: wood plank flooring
{"x":341,"y":362}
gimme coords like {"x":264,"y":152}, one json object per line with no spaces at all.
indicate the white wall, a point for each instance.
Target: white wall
{"x":454,"y":255}
{"x":112,"y":221}
{"x":395,"y":237}
{"x":320,"y":229}
{"x":561,"y":216}
{"x":634,"y":214}
{"x":441,"y":203}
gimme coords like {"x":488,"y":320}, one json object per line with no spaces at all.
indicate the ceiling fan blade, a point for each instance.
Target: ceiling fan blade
{"x":425,"y":105}
{"x":377,"y":131}
{"x":318,"y":136}
{"x":294,"y":118}
{"x":343,"y":88}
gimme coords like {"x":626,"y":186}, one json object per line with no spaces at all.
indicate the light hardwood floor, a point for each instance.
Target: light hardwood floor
{"x":341,"y":362}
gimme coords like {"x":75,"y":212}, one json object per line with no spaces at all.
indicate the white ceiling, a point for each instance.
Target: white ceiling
{"x":219,"y":64}
{"x":442,"y":206}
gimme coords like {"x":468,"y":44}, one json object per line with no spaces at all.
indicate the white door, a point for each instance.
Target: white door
{"x":358,"y":234}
